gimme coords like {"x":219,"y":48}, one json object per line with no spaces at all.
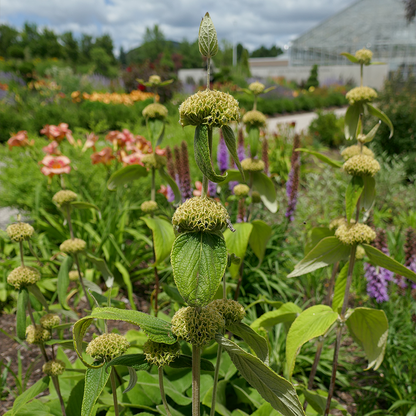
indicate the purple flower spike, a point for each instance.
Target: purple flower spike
{"x":376,"y":283}
{"x":212,"y":189}
{"x":222,"y":154}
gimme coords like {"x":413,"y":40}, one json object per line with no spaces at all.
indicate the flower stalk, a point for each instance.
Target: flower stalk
{"x":162,"y":391}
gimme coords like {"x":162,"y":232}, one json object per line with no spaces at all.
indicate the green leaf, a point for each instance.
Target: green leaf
{"x":237,"y":244}
{"x":30,"y":394}
{"x":255,"y":341}
{"x":259,"y":237}
{"x":126,"y":279}
{"x":136,"y":361}
{"x":102,"y":268}
{"x":253,"y":140}
{"x":322,"y":158}
{"x":378,"y":258}
{"x":157,"y":131}
{"x":202,"y":154}
{"x":377,"y":63}
{"x":327,"y":251}
{"x":380,"y":115}
{"x":370,"y":136}
{"x":318,"y":398}
{"x":35,"y":291}
{"x":132,"y":380}
{"x":352,"y":118}
{"x":63,"y":281}
{"x":311,"y":323}
{"x":339,"y":290}
{"x":172,"y":183}
{"x":95,"y":381}
{"x":22,"y":300}
{"x":163,"y":237}
{"x":287,"y":312}
{"x":232,"y":175}
{"x":263,"y":184}
{"x":126,"y":175}
{"x":83,"y":205}
{"x":354,"y":191}
{"x":369,"y":193}
{"x":74,"y":404}
{"x":185,"y":361}
{"x":316,"y":235}
{"x":350,"y":57}
{"x":231,"y":144}
{"x":173,"y":293}
{"x":66,"y":344}
{"x":207,"y":37}
{"x":370,"y":328}
{"x":198,"y":261}
{"x":273,"y":388}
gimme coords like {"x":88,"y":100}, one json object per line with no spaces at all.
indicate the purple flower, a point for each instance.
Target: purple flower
{"x":171,"y":195}
{"x":376,"y":283}
{"x":231,"y":185}
{"x":212,"y":189}
{"x":222,"y":154}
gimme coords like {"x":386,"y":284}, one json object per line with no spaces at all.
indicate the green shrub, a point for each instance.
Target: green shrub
{"x":11,"y":121}
{"x":328,"y":129}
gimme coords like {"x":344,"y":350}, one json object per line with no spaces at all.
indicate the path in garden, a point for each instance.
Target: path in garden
{"x":302,"y":120}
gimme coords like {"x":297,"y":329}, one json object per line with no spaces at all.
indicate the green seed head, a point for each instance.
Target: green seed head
{"x":54,"y":368}
{"x":210,"y":107}
{"x":62,"y":198}
{"x":252,"y":165}
{"x":74,"y":275}
{"x":23,"y":276}
{"x":361,"y":95}
{"x":355,"y":234}
{"x":355,"y":150}
{"x":360,"y":253}
{"x":153,"y":161}
{"x":255,"y":197}
{"x":161,"y":354}
{"x":50,"y":320}
{"x":241,"y":190}
{"x":197,"y":327}
{"x":361,"y":165}
{"x":256,"y":88}
{"x":37,"y":334}
{"x":254,"y":118}
{"x":107,"y":346}
{"x":20,"y":232}
{"x":155,"y":110}
{"x":200,"y":214}
{"x":73,"y":246}
{"x":149,"y":206}
{"x":230,"y":310}
{"x":364,"y":56}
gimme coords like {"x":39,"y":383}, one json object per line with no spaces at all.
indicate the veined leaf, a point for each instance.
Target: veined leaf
{"x":369,"y":193}
{"x":172,"y":183}
{"x":95,"y":381}
{"x":287,"y":312}
{"x":253,"y":140}
{"x":22,"y":300}
{"x":380,"y":115}
{"x":350,"y":57}
{"x":321,"y":157}
{"x":207,"y":37}
{"x":198,"y":261}
{"x":63,"y":281}
{"x":354,"y":191}
{"x":231,"y":144}
{"x":352,"y":118}
{"x":316,"y":235}
{"x":339,"y":291}
{"x":259,"y":237}
{"x":263,"y":184}
{"x":126,"y":175}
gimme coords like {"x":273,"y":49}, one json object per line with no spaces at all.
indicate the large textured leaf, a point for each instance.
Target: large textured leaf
{"x":316,"y":235}
{"x":207,"y":37}
{"x":378,"y":258}
{"x":380,"y":115}
{"x":95,"y":381}
{"x":369,"y":328}
{"x":163,"y":237}
{"x":369,"y":193}
{"x":321,"y":157}
{"x":202,"y":154}
{"x":231,"y":144}
{"x":255,"y":341}
{"x":354,"y":191}
{"x":237,"y":244}
{"x":172,"y":183}
{"x":273,"y":388}
{"x":259,"y":237}
{"x":311,"y":323}
{"x":339,"y":290}
{"x":63,"y":281}
{"x":263,"y":184}
{"x":198,"y":261}
{"x":352,"y":118}
{"x":287,"y":312}
{"x":253,"y":140}
{"x":127,"y":281}
{"x":126,"y":175}
{"x":328,"y":251}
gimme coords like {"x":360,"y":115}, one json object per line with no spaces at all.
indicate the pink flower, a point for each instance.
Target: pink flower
{"x":20,"y":139}
{"x":121,"y":139}
{"x":90,"y":142}
{"x":163,"y":190}
{"x":133,"y":159}
{"x":143,"y":145}
{"x":58,"y":133}
{"x":52,"y":149}
{"x":104,"y":156}
{"x":55,"y":165}
{"x":198,"y":190}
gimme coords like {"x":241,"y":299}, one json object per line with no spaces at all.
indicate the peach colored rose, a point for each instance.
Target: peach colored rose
{"x":55,"y":165}
{"x":20,"y":139}
{"x":52,"y":149}
{"x":105,"y":156}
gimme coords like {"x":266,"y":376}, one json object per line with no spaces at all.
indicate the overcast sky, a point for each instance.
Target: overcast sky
{"x":252,"y":23}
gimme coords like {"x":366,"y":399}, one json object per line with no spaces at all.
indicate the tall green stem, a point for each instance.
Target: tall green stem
{"x":162,"y":391}
{"x":153,"y":192}
{"x":362,"y":74}
{"x":196,"y":380}
{"x":114,"y":389}
{"x":55,"y":381}
{"x":205,"y":179}
{"x":208,"y":72}
{"x":22,"y":260}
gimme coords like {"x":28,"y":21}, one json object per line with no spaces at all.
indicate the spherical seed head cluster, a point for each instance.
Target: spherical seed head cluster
{"x":62,"y":198}
{"x":161,"y":354}
{"x":254,"y":118}
{"x":155,"y":110}
{"x":20,"y":232}
{"x":210,"y":107}
{"x":149,"y":206}
{"x":107,"y":346}
{"x":337,"y":222}
{"x":50,"y":320}
{"x":361,"y":95}
{"x":364,"y":56}
{"x":361,"y":165}
{"x":200,"y":214}
{"x":155,"y":79}
{"x":37,"y":334}
{"x":255,"y":197}
{"x":73,"y":246}
{"x":54,"y":368}
{"x":252,"y":165}
{"x":153,"y":161}
{"x":355,"y":150}
{"x":256,"y":87}
{"x":197,"y":327}
{"x":73,"y":275}
{"x":360,"y":253}
{"x":230,"y":310}
{"x":241,"y":190}
{"x":355,"y":234}
{"x":23,"y":276}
